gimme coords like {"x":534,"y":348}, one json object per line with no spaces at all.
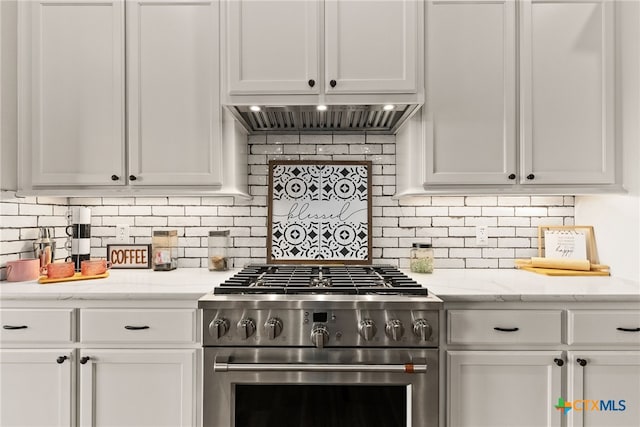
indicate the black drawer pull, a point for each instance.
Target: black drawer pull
{"x":512,"y":176}
{"x":61,"y":359}
{"x":333,"y":83}
{"x":581,"y":362}
{"x":312,"y":83}
{"x":132,"y":177}
{"x":531,"y":176}
{"x":506,"y":329}
{"x":629,"y":329}
{"x":135,"y":328}
{"x":559,"y":362}
{"x":11,"y":327}
{"x":84,"y":360}
{"x":115,"y":177}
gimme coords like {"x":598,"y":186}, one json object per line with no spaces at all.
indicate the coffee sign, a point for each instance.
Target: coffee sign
{"x":129,"y":256}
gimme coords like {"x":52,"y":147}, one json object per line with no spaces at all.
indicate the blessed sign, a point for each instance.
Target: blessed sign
{"x":129,"y":256}
{"x":319,"y":212}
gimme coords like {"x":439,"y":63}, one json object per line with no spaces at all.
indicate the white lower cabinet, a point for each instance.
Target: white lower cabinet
{"x":609,"y":384}
{"x":136,"y":366}
{"x":503,"y":388}
{"x":137,"y":387}
{"x":512,"y":364}
{"x":36,"y":387}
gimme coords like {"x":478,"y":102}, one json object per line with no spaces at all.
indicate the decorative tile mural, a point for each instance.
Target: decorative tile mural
{"x":319,"y":212}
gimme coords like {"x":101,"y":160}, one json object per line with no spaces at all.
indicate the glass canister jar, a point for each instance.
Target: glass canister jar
{"x":421,"y":258}
{"x":165,"y":250}
{"x":218,"y":245}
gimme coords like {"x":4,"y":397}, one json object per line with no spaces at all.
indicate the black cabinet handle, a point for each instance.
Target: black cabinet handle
{"x":531,"y":176}
{"x":629,"y":329}
{"x":135,"y":328}
{"x":115,"y":178}
{"x":11,"y":327}
{"x":132,"y":177}
{"x":512,"y":176}
{"x":506,"y":329}
{"x":84,"y":360}
{"x":61,"y":359}
{"x":581,"y":362}
{"x":312,"y":83}
{"x":559,"y":362}
{"x":333,"y":83}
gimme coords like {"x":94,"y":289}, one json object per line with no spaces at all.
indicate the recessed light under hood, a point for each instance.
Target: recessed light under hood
{"x":336,"y":118}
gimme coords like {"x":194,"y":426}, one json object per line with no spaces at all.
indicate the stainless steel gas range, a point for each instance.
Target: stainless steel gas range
{"x":326,"y":346}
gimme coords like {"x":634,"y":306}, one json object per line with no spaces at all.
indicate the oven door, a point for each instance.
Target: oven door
{"x":287,"y":387}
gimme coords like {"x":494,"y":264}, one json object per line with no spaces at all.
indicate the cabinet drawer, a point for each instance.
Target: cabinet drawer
{"x":37,"y":326}
{"x":138,"y":326}
{"x":604,"y":327}
{"x":504,"y":326}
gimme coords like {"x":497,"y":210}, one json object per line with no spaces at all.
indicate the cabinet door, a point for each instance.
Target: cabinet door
{"x":503,"y":388}
{"x":471,"y":92}
{"x":567,"y":89}
{"x":137,"y":388}
{"x":610,"y":377}
{"x":174,"y":107}
{"x":272,"y":47}
{"x":371,"y":46}
{"x":76,"y":55}
{"x":36,"y":390}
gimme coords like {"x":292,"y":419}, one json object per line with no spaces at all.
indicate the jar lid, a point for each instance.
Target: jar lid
{"x":422,"y":245}
{"x":169,"y":233}
{"x":224,"y":233}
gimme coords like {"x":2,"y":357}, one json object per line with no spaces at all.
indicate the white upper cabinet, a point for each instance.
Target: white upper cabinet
{"x":173,"y":93}
{"x":371,"y":46}
{"x":470,"y":113}
{"x":567,"y":91}
{"x":75,"y":60}
{"x":74,"y":90}
{"x":273,"y":46}
{"x":526,"y":108}
{"x":328,"y":47}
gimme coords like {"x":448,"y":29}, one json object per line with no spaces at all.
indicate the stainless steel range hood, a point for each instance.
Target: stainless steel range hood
{"x":335,"y":119}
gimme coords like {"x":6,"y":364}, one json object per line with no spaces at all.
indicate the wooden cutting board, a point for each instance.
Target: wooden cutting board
{"x":43,"y":280}
{"x":557,"y":272}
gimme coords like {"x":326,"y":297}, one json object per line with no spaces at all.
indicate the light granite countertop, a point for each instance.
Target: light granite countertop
{"x":448,"y":284}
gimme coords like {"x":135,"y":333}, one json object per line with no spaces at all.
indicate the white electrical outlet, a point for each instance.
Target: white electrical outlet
{"x":482,"y":235}
{"x":122,"y":233}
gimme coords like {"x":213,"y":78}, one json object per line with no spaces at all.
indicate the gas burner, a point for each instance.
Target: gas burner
{"x":320,"y":281}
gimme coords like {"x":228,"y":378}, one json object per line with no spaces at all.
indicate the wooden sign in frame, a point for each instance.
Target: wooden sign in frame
{"x":129,"y":255}
{"x":319,"y":212}
{"x":587,"y":230}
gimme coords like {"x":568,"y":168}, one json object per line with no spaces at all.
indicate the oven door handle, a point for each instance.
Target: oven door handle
{"x":222,"y":364}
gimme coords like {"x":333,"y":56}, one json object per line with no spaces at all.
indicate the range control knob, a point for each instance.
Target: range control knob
{"x":422,"y":329}
{"x":218,"y":327}
{"x":273,"y":327}
{"x":394,"y":329}
{"x":319,"y":336}
{"x":246,"y":328}
{"x":367,"y":329}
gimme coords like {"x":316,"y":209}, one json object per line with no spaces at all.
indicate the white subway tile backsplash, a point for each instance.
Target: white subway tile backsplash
{"x":514,"y":201}
{"x":448,"y":222}
{"x":173,"y":210}
{"x":447,"y":201}
{"x":465,"y":211}
{"x":547,"y":200}
{"x":151,"y":221}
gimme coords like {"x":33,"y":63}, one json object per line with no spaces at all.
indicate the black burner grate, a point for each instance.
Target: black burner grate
{"x":312,"y":279}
